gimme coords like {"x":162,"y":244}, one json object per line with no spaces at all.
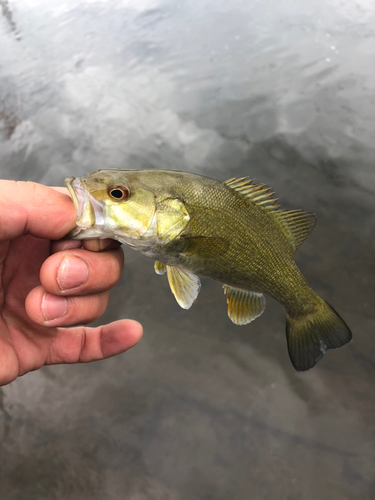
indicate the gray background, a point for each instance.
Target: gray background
{"x":280,"y":91}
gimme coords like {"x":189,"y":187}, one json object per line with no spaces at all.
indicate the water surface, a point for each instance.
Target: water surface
{"x":200,"y":408}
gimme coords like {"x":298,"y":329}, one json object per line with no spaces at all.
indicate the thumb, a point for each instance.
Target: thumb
{"x":31,"y":208}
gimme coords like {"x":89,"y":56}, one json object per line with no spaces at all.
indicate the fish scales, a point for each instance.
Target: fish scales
{"x":255,"y":258}
{"x":231,"y":232}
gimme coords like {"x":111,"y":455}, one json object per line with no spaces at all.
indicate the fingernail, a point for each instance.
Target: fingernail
{"x":54,"y":307}
{"x":73,"y":272}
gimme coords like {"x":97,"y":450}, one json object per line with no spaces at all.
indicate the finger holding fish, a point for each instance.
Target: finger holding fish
{"x":46,"y":309}
{"x":77,"y":271}
{"x":93,"y":245}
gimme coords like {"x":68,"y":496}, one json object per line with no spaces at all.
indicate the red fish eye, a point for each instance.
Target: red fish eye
{"x":118,"y":192}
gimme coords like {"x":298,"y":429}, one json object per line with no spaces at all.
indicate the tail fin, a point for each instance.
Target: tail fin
{"x":310,"y":336}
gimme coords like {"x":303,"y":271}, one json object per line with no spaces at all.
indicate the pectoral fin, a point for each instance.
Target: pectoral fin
{"x":185,"y":286}
{"x":207,"y":247}
{"x":243,"y":306}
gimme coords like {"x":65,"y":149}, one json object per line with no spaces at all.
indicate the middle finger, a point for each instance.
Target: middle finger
{"x":81,"y":272}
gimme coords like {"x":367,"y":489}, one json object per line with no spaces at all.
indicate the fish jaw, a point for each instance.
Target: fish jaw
{"x":89,"y":212}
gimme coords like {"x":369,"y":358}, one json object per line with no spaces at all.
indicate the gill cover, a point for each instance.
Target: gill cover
{"x":171,"y":219}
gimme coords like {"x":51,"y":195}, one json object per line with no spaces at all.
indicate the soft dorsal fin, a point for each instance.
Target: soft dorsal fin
{"x":295,"y":224}
{"x":257,"y":193}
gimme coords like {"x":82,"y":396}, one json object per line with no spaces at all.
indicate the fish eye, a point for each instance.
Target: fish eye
{"x":118,"y":192}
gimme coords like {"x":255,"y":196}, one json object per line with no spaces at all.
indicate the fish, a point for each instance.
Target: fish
{"x":233,"y":232}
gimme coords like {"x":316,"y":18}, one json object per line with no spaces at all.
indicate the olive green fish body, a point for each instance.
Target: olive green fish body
{"x":231,"y":232}
{"x":232,"y":240}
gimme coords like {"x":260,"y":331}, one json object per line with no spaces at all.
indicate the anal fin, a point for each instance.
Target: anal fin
{"x":243,"y":305}
{"x":185,"y":286}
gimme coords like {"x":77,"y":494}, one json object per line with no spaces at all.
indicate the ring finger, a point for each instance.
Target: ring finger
{"x":51,"y":310}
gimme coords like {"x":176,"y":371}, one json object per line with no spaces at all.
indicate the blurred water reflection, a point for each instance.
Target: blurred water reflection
{"x":200,"y":409}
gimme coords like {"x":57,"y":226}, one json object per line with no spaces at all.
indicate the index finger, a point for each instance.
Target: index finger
{"x":99,"y":271}
{"x":31,"y":208}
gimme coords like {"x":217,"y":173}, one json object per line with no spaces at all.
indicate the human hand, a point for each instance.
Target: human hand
{"x":47,"y":285}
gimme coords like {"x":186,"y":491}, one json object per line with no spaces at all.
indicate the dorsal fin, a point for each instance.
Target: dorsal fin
{"x":257,"y":193}
{"x":295,"y":224}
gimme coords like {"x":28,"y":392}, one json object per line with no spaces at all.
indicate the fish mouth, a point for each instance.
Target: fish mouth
{"x":84,"y":210}
{"x":77,"y":198}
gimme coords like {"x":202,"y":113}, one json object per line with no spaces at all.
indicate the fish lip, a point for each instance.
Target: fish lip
{"x":78,"y":193}
{"x":69,"y":184}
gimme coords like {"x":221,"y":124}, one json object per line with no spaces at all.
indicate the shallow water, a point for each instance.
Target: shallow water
{"x":200,"y":408}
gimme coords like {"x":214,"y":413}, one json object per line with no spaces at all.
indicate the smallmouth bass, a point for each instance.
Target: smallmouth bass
{"x":232,"y":232}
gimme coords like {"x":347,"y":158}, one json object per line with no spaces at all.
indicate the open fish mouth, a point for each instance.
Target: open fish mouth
{"x":82,"y":204}
{"x":76,"y":191}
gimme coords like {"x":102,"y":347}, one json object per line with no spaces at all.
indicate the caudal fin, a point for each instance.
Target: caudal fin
{"x":310,"y":336}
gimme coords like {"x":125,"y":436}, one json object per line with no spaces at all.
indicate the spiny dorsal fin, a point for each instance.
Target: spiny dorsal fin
{"x":296,"y":225}
{"x":257,"y":193}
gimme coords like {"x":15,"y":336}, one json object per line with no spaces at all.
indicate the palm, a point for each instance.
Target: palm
{"x":30,"y":262}
{"x":26,"y":343}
